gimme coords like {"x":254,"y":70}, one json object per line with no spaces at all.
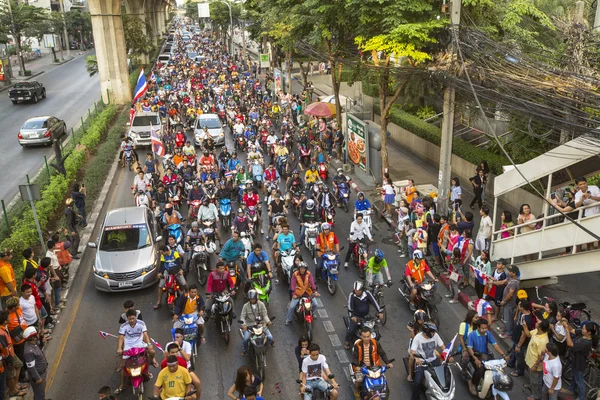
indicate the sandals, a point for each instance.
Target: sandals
{"x":19,"y":393}
{"x":514,"y":374}
{"x":23,"y":386}
{"x":157,"y":306}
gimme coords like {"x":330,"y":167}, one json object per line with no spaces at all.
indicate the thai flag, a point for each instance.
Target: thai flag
{"x":106,"y":334}
{"x":158,"y":146}
{"x":131,"y":115}
{"x":141,"y":87}
{"x":446,"y":353}
{"x":480,"y":275}
{"x":152,"y":77}
{"x":158,"y":346}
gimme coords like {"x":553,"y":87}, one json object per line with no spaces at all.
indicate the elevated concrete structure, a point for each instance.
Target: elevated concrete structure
{"x":137,"y":9}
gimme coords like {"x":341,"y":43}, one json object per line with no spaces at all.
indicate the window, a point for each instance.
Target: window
{"x":209,"y":123}
{"x":146,"y":120}
{"x":35,"y":124}
{"x":125,"y":237}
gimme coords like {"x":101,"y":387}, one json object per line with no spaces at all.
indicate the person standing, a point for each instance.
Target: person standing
{"x":72,"y":219}
{"x":36,"y":362}
{"x":478,"y":182}
{"x":534,"y":356}
{"x":484,"y":235}
{"x":585,"y":339}
{"x":8,"y":283}
{"x":509,"y":300}
{"x":79,"y":194}
{"x":552,"y":373}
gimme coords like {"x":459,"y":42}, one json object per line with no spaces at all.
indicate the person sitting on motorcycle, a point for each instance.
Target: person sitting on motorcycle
{"x":233,"y":250}
{"x":258,"y":259}
{"x":173,"y":245}
{"x":186,"y":171}
{"x":338,"y":179}
{"x":359,"y":231}
{"x":219,"y":281}
{"x":140,"y":183}
{"x":234,"y":162}
{"x":238,"y":128}
{"x":208,"y":144}
{"x":254,"y":312}
{"x":308,"y":214}
{"x":270,"y":176}
{"x":294,"y":185}
{"x":224,"y":191}
{"x":191,"y":303}
{"x":314,"y":374}
{"x":276,"y":206}
{"x":170,"y":264}
{"x":208,"y":176}
{"x":361,"y":204}
{"x":194,"y":237}
{"x":311,"y":176}
{"x":283,"y":241}
{"x":325,"y":199}
{"x":423,"y":349}
{"x":271,"y":141}
{"x":254,"y":154}
{"x":165,"y":387}
{"x":160,"y":198}
{"x":414,"y":275}
{"x":188,"y":150}
{"x":477,"y":345}
{"x":359,"y":305}
{"x":326,"y":241}
{"x":169,"y":179}
{"x":195,"y":193}
{"x":241,"y":223}
{"x":241,"y":177}
{"x":280,"y":151}
{"x":368,"y":352}
{"x":177,"y":157}
{"x":208,"y":212}
{"x":376,"y":264}
{"x":133,"y":334}
{"x":127,"y":145}
{"x":170,"y":216}
{"x":224,"y":156}
{"x":293,"y":165}
{"x":302,"y":284}
{"x":206,"y":159}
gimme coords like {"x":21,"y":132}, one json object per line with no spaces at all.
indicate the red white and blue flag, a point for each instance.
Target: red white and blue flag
{"x":141,"y":87}
{"x":446,"y":353}
{"x":158,"y":346}
{"x":106,"y":334}
{"x":480,"y":275}
{"x":158,"y":146}
{"x":152,"y":77}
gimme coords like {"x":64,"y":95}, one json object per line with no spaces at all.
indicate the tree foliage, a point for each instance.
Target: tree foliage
{"x":138,"y":36}
{"x":23,"y":16}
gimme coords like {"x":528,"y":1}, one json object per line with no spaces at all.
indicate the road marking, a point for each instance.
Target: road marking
{"x":328,"y":326}
{"x":347,"y":373}
{"x":342,"y":356}
{"x":322,"y":313}
{"x":319,"y":302}
{"x":335,"y":340}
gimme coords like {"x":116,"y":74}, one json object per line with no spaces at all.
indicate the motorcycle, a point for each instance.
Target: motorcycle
{"x":128,"y":154}
{"x":136,"y":369}
{"x":281,"y":164}
{"x":305,"y":152}
{"x":374,"y":381}
{"x":311,"y":231}
{"x":262,"y":284}
{"x":258,"y":345}
{"x":175,"y":230}
{"x":246,"y":240}
{"x":194,"y":207}
{"x":343,"y":195}
{"x":141,"y":200}
{"x":323,"y":173}
{"x":330,"y":271}
{"x":328,"y":214}
{"x":257,"y":174}
{"x":370,"y":322}
{"x":304,"y":314}
{"x":295,"y":202}
{"x":199,"y":261}
{"x":241,"y":143}
{"x":252,"y":214}
{"x":360,"y":256}
{"x":234,"y":271}
{"x":225,"y":213}
{"x":172,"y":289}
{"x":316,"y":393}
{"x":189,"y":324}
{"x":222,"y":310}
{"x":187,"y":395}
{"x":494,"y":377}
{"x":438,"y":382}
{"x":179,"y":139}
{"x":210,"y":242}
{"x":377,"y":292}
{"x":426,"y":299}
{"x":173,"y":194}
{"x":191,"y":160}
{"x":287,"y":263}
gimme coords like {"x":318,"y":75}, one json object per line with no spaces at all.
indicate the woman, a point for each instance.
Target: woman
{"x":559,"y":333}
{"x":244,"y":379}
{"x":302,"y":350}
{"x":466,"y":327}
{"x":478,"y":182}
{"x":499,"y":277}
{"x":389,"y":196}
{"x":483,"y":166}
{"x":507,"y":223}
{"x":409,"y":191}
{"x":524,"y":219}
{"x":585,"y":339}
{"x":454,"y":273}
{"x":455,"y":194}
{"x":483,"y":264}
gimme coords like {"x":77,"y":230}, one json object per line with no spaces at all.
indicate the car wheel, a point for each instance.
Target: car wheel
{"x":44,"y":94}
{"x":14,"y":101}
{"x":35,"y":98}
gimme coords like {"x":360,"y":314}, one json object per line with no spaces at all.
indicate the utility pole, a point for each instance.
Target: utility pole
{"x":596,"y":27}
{"x":65,"y":33}
{"x":243,"y":30}
{"x":445,"y":173}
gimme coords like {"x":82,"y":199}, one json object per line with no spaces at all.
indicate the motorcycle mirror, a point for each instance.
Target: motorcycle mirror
{"x":191,"y":393}
{"x":92,"y":245}
{"x":342,"y":248}
{"x":240,"y":321}
{"x":392,"y":360}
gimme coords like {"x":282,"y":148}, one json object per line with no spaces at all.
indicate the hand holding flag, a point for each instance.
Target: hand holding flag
{"x":106,"y":334}
{"x":446,"y":353}
{"x":158,"y":346}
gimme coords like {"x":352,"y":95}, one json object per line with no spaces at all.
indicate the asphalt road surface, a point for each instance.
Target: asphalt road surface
{"x":70,"y":93}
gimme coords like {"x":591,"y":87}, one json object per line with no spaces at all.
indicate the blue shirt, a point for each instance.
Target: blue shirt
{"x":286,"y":241}
{"x":232,"y":250}
{"x":479,"y":343}
{"x":362,"y":205}
{"x":262,"y":257}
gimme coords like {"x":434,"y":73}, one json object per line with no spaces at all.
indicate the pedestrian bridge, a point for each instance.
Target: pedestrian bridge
{"x":557,"y":246}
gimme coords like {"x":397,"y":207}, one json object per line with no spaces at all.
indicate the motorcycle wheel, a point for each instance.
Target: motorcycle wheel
{"x":226,"y":337}
{"x":361,"y":271}
{"x":308,"y":329}
{"x":346,"y":206}
{"x":202,"y":275}
{"x":381,"y":304}
{"x":331,"y":286}
{"x":434,"y":315}
{"x":262,"y":365}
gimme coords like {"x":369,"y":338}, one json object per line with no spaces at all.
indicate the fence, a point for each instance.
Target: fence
{"x":15,"y":207}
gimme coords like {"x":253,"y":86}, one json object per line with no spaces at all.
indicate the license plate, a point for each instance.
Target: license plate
{"x":21,"y":98}
{"x":125,"y":284}
{"x":32,"y":136}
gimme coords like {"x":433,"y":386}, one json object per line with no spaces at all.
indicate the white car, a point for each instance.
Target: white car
{"x":214,"y":127}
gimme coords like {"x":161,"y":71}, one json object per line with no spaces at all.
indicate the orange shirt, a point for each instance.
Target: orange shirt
{"x":416,"y":272}
{"x":14,"y":320}
{"x":7,"y":275}
{"x":410,"y":194}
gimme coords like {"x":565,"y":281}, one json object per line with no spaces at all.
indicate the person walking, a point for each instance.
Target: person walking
{"x":36,"y":362}
{"x":72,"y":219}
{"x":478,"y":182}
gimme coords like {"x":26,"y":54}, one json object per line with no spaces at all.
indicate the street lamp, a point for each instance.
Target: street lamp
{"x":230,"y":25}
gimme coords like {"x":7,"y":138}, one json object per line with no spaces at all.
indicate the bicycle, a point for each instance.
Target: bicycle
{"x":577,"y":313}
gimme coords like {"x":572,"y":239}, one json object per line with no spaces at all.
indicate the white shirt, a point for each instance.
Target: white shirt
{"x":425,"y":347}
{"x":238,"y":128}
{"x":485,"y":227}
{"x":313,"y":369}
{"x":140,"y":183}
{"x":359,"y":231}
{"x":455,"y":193}
{"x":28,"y":307}
{"x":53,"y":260}
{"x":552,"y":369}
{"x":594,"y":191}
{"x":186,"y":347}
{"x":134,"y":335}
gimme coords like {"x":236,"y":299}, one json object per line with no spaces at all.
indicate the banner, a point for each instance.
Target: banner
{"x":277,"y":78}
{"x":264,"y":61}
{"x":203,"y":10}
{"x":357,"y":142}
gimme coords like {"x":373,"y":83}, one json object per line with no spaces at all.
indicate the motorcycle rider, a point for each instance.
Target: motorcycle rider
{"x":160,"y":197}
{"x":258,"y":255}
{"x":325,"y":199}
{"x":191,"y":303}
{"x":270,"y":175}
{"x":338,"y":179}
{"x":308,"y":214}
{"x":276,"y":207}
{"x":193,"y":238}
{"x":173,"y":381}
{"x":284,"y":241}
{"x":294,"y":186}
{"x":477,"y":345}
{"x":232,"y":251}
{"x":251,"y":199}
{"x":241,"y":177}
{"x":374,"y":267}
{"x":170,"y":264}
{"x":361,"y":204}
{"x":188,"y":149}
{"x":253,"y":313}
{"x":326,"y":241}
{"x":314,"y":372}
{"x":224,"y":191}
{"x":208,"y":212}
{"x":195,"y":193}
{"x":359,"y":302}
{"x":219,"y":281}
{"x":302,"y":284}
{"x":414,"y":275}
{"x":170,"y":217}
{"x":311,"y":176}
{"x":358,"y":231}
{"x":368,"y":352}
{"x":206,"y":160}
{"x":234,"y":162}
{"x":423,"y":349}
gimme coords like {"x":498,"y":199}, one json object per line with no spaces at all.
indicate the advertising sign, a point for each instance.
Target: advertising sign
{"x":358,"y":139}
{"x":277,"y":78}
{"x":264,"y":60}
{"x":203,"y":10}
{"x":49,"y":40}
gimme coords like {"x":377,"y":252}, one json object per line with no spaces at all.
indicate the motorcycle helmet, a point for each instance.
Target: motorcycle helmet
{"x":418,"y":255}
{"x":503,"y":382}
{"x":340,"y":171}
{"x":325,"y":226}
{"x":68,"y":202}
{"x":303,"y":265}
{"x":240,"y":211}
{"x":211,"y":247}
{"x":361,"y":194}
{"x":420,"y":315}
{"x":325,"y":189}
{"x":252,"y":294}
{"x":195,"y":224}
{"x":429,"y":329}
{"x":313,"y":166}
{"x":378,"y":255}
{"x":168,"y":206}
{"x":310,"y":204}
{"x":295,"y":172}
{"x":29,"y":332}
{"x":358,"y":285}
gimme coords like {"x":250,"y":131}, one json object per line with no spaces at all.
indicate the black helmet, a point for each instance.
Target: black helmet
{"x":420,"y":315}
{"x":503,"y":382}
{"x":429,"y":329}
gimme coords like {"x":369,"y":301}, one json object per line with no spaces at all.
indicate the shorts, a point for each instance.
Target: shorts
{"x":436,"y":249}
{"x":11,"y":371}
{"x":482,"y":243}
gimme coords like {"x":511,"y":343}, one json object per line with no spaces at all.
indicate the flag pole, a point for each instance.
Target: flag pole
{"x":151,"y":144}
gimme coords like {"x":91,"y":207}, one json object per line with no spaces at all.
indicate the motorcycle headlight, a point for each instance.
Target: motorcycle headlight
{"x":427,"y":286}
{"x":345,"y":194}
{"x":135,"y":371}
{"x":375,"y":374}
{"x":257,"y":330}
{"x":369,"y":324}
{"x":232,"y":272}
{"x":308,"y":305}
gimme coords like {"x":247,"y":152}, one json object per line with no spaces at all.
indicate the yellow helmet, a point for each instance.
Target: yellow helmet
{"x":68,"y":202}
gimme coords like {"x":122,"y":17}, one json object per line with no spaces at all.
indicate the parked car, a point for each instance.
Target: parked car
{"x":141,"y":126}
{"x":127,"y":255}
{"x":27,"y":91}
{"x":41,"y":130}
{"x":214,"y":127}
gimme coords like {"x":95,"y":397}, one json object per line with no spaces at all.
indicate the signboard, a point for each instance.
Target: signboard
{"x":2,"y":73}
{"x":48,"y":40}
{"x":264,"y":60}
{"x":277,"y":78}
{"x":203,"y":10}
{"x":358,"y":140}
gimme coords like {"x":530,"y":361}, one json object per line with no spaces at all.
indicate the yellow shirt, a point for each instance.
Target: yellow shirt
{"x":173,"y":385}
{"x":537,"y":344}
{"x":191,"y":305}
{"x":311,"y":176}
{"x":281,"y":151}
{"x":7,"y":275}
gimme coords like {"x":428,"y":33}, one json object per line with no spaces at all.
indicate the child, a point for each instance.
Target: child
{"x":454,"y":275}
{"x":389,"y":197}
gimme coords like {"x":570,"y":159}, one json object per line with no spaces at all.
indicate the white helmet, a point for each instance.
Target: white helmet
{"x":325,"y":225}
{"x":418,"y":254}
{"x":211,"y":247}
{"x":310,"y":204}
{"x":29,"y":332}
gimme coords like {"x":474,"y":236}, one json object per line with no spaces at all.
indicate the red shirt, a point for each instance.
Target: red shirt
{"x":251,"y":200}
{"x":180,"y":360}
{"x":218,"y":283}
{"x":35,"y":293}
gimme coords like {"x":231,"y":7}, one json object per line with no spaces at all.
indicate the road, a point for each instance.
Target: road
{"x":88,"y":361}
{"x":70,"y":92}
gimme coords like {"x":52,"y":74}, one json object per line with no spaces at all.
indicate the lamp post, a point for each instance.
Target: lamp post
{"x":230,"y":25}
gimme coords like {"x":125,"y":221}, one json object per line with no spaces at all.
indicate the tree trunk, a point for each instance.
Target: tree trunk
{"x":59,"y":161}
{"x":335,"y":84}
{"x":304,"y":72}
{"x":19,"y":56}
{"x":288,"y":59}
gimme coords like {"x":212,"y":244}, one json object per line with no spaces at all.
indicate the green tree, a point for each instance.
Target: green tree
{"x":138,"y":36}
{"x":79,"y":25}
{"x":191,"y":9}
{"x":219,"y":15}
{"x":91,"y":65}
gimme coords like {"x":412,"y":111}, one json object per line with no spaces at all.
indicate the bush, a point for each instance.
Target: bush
{"x":27,"y":72}
{"x":433,"y":134}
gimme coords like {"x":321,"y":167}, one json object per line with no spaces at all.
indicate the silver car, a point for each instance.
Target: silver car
{"x":142,"y":125}
{"x":213,"y":126}
{"x":41,"y":130}
{"x":127,"y":256}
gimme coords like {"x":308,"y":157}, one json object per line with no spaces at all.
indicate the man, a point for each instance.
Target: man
{"x":8,"y":283}
{"x":105,"y":393}
{"x":79,"y":195}
{"x":170,"y":217}
{"x":31,"y":314}
{"x":509,"y":300}
{"x":423,"y":349}
{"x":477,"y":345}
{"x":129,"y":305}
{"x":258,"y":255}
{"x":173,"y":349}
{"x":185,"y":348}
{"x":315,"y":372}
{"x":170,"y":264}
{"x":374,"y":268}
{"x":219,"y":281}
{"x":359,"y":230}
{"x":173,"y":381}
{"x":191,"y":303}
{"x":301,"y":284}
{"x":552,"y":368}
{"x":36,"y":362}
{"x":254,"y":313}
{"x":535,"y":355}
{"x":12,"y":364}
{"x":361,"y":204}
{"x":587,"y":195}
{"x":72,"y":220}
{"x":308,"y":214}
{"x":233,"y":250}
{"x":359,"y":302}
{"x":484,"y":235}
{"x":326,"y":241}
{"x":414,"y":273}
{"x":151,"y":164}
{"x":284,"y":241}
{"x":133,"y":334}
{"x":270,"y":176}
{"x":367,"y":352}
{"x":294,"y":186}
{"x":276,"y":207}
{"x":193,"y":238}
{"x":338,"y":179}
{"x":520,"y":338}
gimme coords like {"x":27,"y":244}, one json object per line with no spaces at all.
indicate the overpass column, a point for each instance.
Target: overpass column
{"x":151,"y":19}
{"x":161,"y":15}
{"x":136,"y":8}
{"x":111,"y":53}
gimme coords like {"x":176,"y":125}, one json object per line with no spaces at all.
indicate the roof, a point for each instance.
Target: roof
{"x":125,"y":215}
{"x":43,"y":118}
{"x":563,"y":156}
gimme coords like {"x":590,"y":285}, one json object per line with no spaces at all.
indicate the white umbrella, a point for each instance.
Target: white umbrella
{"x":331,"y":99}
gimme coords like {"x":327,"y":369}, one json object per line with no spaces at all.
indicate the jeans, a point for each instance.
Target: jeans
{"x":509,"y":314}
{"x":319,"y":384}
{"x":56,"y":295}
{"x":418,"y":379}
{"x":293,"y":304}
{"x":74,"y":241}
{"x":535,"y":381}
{"x":578,"y":384}
{"x":548,"y":396}
{"x":246,"y":337}
{"x":517,"y":359}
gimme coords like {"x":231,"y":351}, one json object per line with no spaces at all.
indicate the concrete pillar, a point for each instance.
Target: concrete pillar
{"x":161,"y":16}
{"x":151,"y":18}
{"x":111,"y":53}
{"x":136,"y":8}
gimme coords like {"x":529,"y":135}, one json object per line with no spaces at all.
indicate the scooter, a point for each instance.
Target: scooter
{"x":330,"y":271}
{"x":257,"y":174}
{"x":172,"y":289}
{"x":189,"y":324}
{"x":222,"y":310}
{"x":187,"y":395}
{"x":234,"y":271}
{"x":323,"y":173}
{"x":316,"y":393}
{"x":305,"y":152}
{"x":247,"y":241}
{"x":175,"y":230}
{"x":425,"y":299}
{"x":225,"y":213}
{"x":240,"y":143}
{"x":360,"y":256}
{"x":438,"y":382}
{"x":494,"y":379}
{"x":304,"y":314}
{"x":258,"y":345}
{"x":253,"y":219}
{"x":287,"y":263}
{"x":311,"y":231}
{"x":328,"y":214}
{"x":370,"y":322}
{"x":194,"y":207}
{"x":199,"y":261}
{"x":366,"y":218}
{"x":374,"y":382}
{"x":136,"y":369}
{"x":262,"y":284}
{"x":343,"y":195}
{"x":128,"y":154}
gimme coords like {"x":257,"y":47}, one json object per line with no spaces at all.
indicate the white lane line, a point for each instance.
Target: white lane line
{"x":342,"y":356}
{"x":347,"y":373}
{"x":335,"y":340}
{"x":328,"y":326}
{"x":319,"y":302}
{"x":322,"y":313}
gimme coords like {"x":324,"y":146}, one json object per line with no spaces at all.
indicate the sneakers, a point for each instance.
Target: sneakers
{"x":403,"y":255}
{"x":412,"y":307}
{"x":453,"y":301}
{"x":345,"y":265}
{"x":287,"y":323}
{"x":262,"y":232}
{"x":61,"y":306}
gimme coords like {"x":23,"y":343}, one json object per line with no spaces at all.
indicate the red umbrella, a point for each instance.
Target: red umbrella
{"x":320,"y":109}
